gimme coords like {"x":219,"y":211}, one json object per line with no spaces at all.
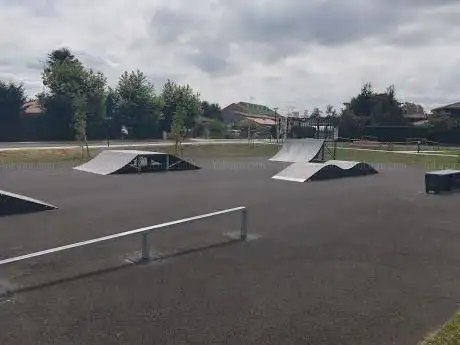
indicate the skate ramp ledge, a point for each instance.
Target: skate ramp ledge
{"x":12,"y":203}
{"x":304,"y":171}
{"x":292,"y":179}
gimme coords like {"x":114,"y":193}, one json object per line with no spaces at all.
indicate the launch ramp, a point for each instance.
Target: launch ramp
{"x":132,"y":161}
{"x":11,"y":203}
{"x":299,"y":150}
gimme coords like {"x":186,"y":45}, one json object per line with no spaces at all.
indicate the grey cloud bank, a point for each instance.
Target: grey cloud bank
{"x":291,"y":53}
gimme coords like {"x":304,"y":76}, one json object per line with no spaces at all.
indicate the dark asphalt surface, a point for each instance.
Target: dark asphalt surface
{"x":366,"y":260}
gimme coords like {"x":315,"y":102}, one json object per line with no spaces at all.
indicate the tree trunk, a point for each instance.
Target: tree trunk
{"x":86,"y":144}
{"x":176,"y":146}
{"x":82,"y":148}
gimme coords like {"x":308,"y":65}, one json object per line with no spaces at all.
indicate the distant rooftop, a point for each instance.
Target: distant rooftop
{"x":250,"y":109}
{"x":32,"y":107}
{"x":453,"y":106}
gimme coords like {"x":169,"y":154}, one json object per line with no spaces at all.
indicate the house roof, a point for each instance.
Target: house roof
{"x":262,"y":121}
{"x":415,"y":116}
{"x":251,"y":109}
{"x":32,"y":107}
{"x":453,"y":106}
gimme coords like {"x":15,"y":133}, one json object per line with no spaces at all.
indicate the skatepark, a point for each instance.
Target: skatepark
{"x":366,"y":259}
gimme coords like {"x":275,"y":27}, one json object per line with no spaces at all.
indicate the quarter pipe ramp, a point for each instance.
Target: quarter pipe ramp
{"x":131,"y":161}
{"x":305,"y":171}
{"x":299,"y":150}
{"x":11,"y":203}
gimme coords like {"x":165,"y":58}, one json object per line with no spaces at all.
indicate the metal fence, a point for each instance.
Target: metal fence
{"x":144,"y":232}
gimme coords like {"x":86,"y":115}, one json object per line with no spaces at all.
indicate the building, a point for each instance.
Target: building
{"x":32,"y":108}
{"x":243,"y":111}
{"x":449,"y":110}
{"x":416,"y":119}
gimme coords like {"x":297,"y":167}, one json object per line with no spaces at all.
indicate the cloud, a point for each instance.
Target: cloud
{"x":290,"y":54}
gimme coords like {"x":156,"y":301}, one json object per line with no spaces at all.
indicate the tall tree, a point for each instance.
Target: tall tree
{"x":12,"y":100}
{"x":376,"y":108}
{"x":174,"y":96}
{"x":80,"y":130}
{"x":75,"y":96}
{"x":362,"y":104}
{"x":178,"y":127}
{"x":330,"y":111}
{"x":95,"y":93}
{"x":64,"y":77}
{"x":412,"y":108}
{"x":316,"y":113}
{"x":211,"y":110}
{"x":136,"y":105}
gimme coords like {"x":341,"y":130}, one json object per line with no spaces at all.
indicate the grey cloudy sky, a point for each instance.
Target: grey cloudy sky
{"x":291,"y":54}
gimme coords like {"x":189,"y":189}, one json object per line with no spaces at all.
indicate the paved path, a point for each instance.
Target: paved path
{"x":421,"y":153}
{"x":114,"y":144}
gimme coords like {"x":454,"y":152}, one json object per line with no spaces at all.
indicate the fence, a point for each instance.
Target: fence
{"x":144,"y":232}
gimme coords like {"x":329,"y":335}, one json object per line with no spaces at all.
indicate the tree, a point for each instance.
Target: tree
{"x":94,"y":90}
{"x":315,"y":114}
{"x":65,"y":78}
{"x":412,"y":108}
{"x":216,"y":129}
{"x":211,"y":110}
{"x":330,"y":111}
{"x":361,"y":105}
{"x":178,"y":128}
{"x":376,"y":108}
{"x":80,"y":130}
{"x":174,"y":96}
{"x":351,"y":125}
{"x":12,"y":100}
{"x":444,"y":128}
{"x":136,"y":105}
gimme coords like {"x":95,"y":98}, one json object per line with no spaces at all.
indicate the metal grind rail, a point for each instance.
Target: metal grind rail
{"x":144,"y":232}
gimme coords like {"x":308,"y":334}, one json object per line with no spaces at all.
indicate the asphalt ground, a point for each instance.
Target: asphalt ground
{"x":364,"y":260}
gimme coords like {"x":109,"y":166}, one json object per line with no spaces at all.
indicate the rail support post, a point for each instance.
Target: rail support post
{"x":145,"y":247}
{"x":244,"y":224}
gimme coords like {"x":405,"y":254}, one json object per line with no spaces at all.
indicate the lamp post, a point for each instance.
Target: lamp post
{"x":276,"y":125}
{"x":107,"y":121}
{"x":249,"y":120}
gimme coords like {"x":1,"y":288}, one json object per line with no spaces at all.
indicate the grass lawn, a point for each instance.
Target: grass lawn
{"x":427,"y":161}
{"x":400,"y":147}
{"x":215,"y":150}
{"x":195,"y":151}
{"x":449,"y":334}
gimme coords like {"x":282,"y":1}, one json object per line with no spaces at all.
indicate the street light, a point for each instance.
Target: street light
{"x":107,"y":121}
{"x":276,"y":125}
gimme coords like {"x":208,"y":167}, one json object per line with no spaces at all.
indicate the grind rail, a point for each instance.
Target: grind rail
{"x":144,"y":232}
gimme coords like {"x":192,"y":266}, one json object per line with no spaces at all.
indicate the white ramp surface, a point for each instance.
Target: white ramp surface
{"x":299,"y":172}
{"x":299,"y":150}
{"x":304,"y":171}
{"x":109,"y":161}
